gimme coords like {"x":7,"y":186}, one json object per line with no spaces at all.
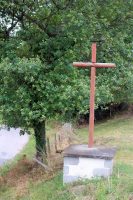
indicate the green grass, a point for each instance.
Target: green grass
{"x":115,"y":132}
{"x":52,"y":190}
{"x":119,"y":186}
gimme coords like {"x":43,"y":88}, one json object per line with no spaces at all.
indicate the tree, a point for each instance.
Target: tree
{"x":30,"y":94}
{"x":34,"y":90}
{"x":42,"y":38}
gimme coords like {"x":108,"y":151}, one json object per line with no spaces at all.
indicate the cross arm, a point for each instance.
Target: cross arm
{"x":90,"y":64}
{"x":82,"y":64}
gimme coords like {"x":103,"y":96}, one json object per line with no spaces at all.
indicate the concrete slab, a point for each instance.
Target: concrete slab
{"x":82,"y":150}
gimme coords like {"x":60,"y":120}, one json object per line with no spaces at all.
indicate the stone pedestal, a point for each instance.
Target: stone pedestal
{"x":81,"y":162}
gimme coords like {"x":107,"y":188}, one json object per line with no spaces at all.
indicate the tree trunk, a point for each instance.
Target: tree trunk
{"x":40,"y":137}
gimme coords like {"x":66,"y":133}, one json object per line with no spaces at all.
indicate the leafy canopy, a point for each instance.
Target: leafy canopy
{"x":30,"y":93}
{"x":42,"y":38}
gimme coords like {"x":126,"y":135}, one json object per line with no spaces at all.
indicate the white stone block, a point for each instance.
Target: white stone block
{"x":86,"y":166}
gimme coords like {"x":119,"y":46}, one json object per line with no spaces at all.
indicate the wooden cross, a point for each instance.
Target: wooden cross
{"x":93,"y":66}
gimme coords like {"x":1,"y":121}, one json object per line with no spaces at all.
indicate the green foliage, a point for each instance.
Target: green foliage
{"x":31,"y":92}
{"x":42,"y":39}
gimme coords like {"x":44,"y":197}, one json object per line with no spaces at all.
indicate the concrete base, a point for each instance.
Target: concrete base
{"x":81,"y":162}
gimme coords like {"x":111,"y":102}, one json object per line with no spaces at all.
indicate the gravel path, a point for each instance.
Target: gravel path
{"x":11,"y":143}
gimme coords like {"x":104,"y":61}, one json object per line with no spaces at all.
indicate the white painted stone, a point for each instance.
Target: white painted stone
{"x":81,"y":162}
{"x":86,"y":168}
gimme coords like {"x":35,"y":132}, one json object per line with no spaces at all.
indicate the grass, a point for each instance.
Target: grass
{"x":52,"y":189}
{"x":34,"y":184}
{"x":116,"y":132}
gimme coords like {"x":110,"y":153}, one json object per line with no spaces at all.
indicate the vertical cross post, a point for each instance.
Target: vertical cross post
{"x":92,"y":98}
{"x":93,"y":66}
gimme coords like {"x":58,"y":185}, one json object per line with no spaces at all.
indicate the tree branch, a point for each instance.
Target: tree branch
{"x":64,"y":7}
